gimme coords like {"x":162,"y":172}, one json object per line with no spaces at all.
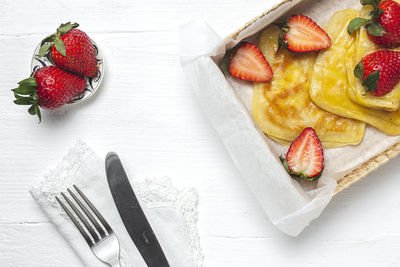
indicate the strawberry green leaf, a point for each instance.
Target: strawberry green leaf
{"x":24,"y":101}
{"x":44,"y":49}
{"x":32,"y":110}
{"x":37,"y":110}
{"x":285,"y":164}
{"x":49,"y":39}
{"x":225,"y":64}
{"x":227,"y":59}
{"x":281,"y":36}
{"x":59,"y":44}
{"x":359,"y":71}
{"x":369,"y":2}
{"x":66,"y":27}
{"x":375,"y":29}
{"x":376,"y":12}
{"x":24,"y":90}
{"x":355,"y":24}
{"x":28,"y":82}
{"x":371,"y":82}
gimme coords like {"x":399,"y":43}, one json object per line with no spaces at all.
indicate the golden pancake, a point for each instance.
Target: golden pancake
{"x":282,"y":107}
{"x":355,"y":89}
{"x":328,"y":82}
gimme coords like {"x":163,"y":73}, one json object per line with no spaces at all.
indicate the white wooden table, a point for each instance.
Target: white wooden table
{"x":146,"y":111}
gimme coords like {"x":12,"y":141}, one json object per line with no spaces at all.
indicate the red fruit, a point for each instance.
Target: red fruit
{"x":72,"y":50}
{"x":248,"y":63}
{"x":50,"y":88}
{"x":383,"y":28}
{"x":56,"y":87}
{"x":379,"y":71}
{"x":305,"y":157}
{"x":302,"y":34}
{"x":390,"y":22}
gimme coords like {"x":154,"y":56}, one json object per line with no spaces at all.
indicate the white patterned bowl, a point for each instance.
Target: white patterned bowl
{"x":92,"y":84}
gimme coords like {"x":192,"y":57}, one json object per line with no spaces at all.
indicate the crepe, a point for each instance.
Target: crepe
{"x":282,"y":107}
{"x":329,"y":79}
{"x":355,"y":90}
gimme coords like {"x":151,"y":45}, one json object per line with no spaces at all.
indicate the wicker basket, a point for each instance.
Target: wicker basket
{"x":365,"y":168}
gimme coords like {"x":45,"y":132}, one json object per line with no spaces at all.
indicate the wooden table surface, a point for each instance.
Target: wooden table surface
{"x":145,"y":110}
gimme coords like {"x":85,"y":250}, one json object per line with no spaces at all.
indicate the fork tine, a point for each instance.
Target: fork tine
{"x":83,"y":220}
{"x":96,"y":212}
{"x":75,"y":221}
{"x":88,"y":214}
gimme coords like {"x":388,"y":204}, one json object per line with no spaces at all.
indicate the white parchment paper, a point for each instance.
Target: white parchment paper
{"x":290,"y":204}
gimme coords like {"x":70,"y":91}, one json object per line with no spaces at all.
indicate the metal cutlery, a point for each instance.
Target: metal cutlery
{"x":94,"y":228}
{"x":132,"y":214}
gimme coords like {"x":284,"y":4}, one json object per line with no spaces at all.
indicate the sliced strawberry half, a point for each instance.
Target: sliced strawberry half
{"x":305,"y":157}
{"x":302,"y":34}
{"x":248,"y":63}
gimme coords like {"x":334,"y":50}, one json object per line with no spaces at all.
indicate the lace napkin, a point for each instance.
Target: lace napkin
{"x":171,"y":212}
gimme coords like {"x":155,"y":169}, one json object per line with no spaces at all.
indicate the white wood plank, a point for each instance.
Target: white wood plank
{"x":34,"y":245}
{"x":146,"y":112}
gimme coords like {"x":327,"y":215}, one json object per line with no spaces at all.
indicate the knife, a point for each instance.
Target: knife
{"x":132,"y":214}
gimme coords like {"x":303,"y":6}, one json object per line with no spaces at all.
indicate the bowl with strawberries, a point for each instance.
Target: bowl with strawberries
{"x":67,"y":67}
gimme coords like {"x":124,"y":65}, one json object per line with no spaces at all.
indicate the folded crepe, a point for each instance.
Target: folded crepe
{"x":330,"y":80}
{"x":282,"y":107}
{"x":355,"y":90}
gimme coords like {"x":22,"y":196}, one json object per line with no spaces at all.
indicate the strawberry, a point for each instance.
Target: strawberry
{"x":50,"y":87}
{"x":383,"y":28}
{"x":379,"y":71}
{"x":71,"y":50}
{"x":248,"y":63}
{"x":302,"y":34}
{"x":305,"y":157}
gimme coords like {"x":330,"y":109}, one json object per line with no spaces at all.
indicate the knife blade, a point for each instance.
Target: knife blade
{"x":132,"y":214}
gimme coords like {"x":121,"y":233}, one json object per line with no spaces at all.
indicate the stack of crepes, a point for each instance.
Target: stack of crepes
{"x":320,"y":90}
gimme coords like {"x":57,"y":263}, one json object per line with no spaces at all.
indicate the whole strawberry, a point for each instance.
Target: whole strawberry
{"x":384,"y":26}
{"x":379,"y":71}
{"x":71,"y":50}
{"x":50,"y":88}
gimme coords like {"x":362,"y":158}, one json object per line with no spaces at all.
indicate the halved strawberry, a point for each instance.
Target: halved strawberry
{"x":302,"y":34}
{"x":305,"y":157}
{"x":248,"y":63}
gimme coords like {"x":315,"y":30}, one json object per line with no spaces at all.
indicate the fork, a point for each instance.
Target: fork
{"x":103,"y":241}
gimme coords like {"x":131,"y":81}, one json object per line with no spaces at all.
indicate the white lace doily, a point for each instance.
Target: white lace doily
{"x":158,"y":196}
